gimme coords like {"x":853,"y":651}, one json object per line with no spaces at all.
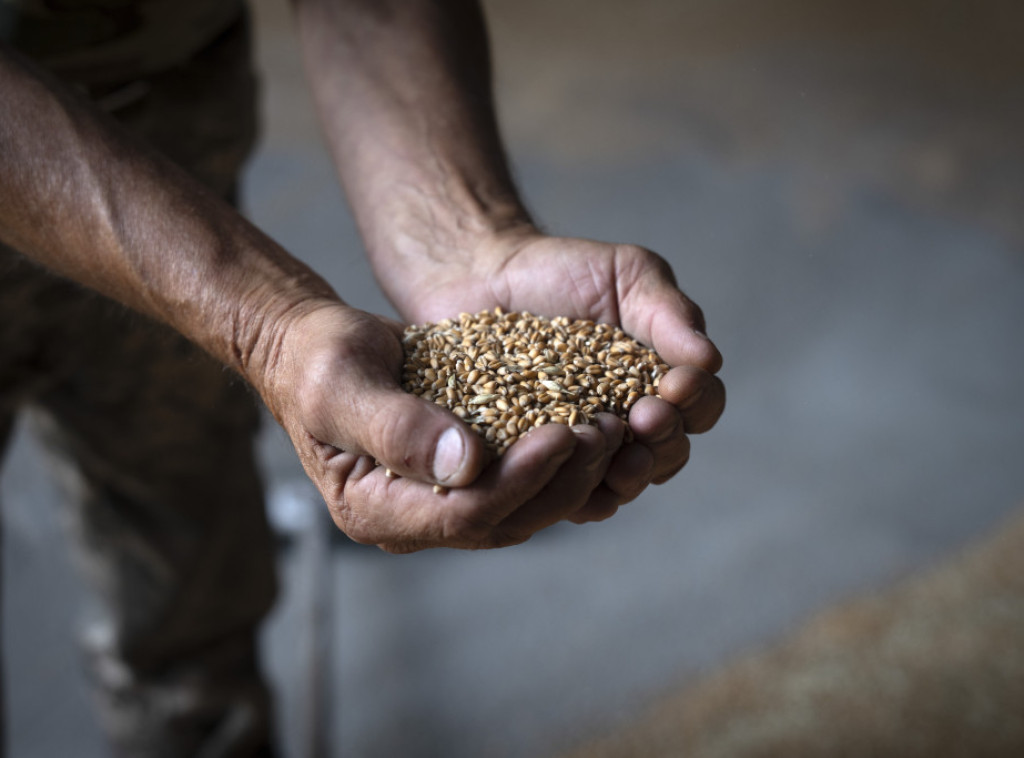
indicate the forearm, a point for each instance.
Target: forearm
{"x":84,"y":200}
{"x":403,"y":89}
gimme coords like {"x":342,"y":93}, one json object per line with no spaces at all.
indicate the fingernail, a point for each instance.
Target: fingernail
{"x":449,"y":455}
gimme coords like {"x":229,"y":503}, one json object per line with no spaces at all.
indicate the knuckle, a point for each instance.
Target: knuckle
{"x":312,"y":391}
{"x":673,"y":469}
{"x":694,"y":313}
{"x":505,"y":540}
{"x":464,"y":530}
{"x":351,"y":524}
{"x":631,"y":252}
{"x":479,"y":534}
{"x":627,"y":492}
{"x":387,"y":430}
{"x":639,"y":261}
{"x":707,"y":412}
{"x":394,"y":434}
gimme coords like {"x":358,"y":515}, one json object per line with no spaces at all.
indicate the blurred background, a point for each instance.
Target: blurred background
{"x":840,"y":185}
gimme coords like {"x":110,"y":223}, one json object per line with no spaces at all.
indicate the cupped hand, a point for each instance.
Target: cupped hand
{"x":625,"y":285}
{"x":376,"y":452}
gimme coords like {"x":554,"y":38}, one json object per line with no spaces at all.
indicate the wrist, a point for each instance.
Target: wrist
{"x":262,"y":322}
{"x":421,"y":243}
{"x":451,"y":224}
{"x":316,"y":354}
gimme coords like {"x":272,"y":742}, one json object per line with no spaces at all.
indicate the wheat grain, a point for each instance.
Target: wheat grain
{"x":506,"y":373}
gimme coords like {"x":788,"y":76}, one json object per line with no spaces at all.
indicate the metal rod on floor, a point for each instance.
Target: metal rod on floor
{"x":315,"y":737}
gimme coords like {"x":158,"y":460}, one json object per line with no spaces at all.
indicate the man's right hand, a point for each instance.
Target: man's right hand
{"x":332,"y":381}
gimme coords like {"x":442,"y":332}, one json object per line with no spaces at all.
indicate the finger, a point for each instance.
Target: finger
{"x":406,"y":434}
{"x":670,"y":472}
{"x":569,"y":489}
{"x":661,"y":428}
{"x":630,"y":472}
{"x":655,"y":311}
{"x":402,"y":515}
{"x":603,"y":504}
{"x":678,"y":333}
{"x":654,"y":420}
{"x":699,"y":396}
{"x":342,"y":377}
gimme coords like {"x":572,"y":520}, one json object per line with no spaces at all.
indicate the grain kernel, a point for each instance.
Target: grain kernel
{"x":505,"y":373}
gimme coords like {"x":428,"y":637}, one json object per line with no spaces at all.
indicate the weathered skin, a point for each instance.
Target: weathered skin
{"x":404,"y":95}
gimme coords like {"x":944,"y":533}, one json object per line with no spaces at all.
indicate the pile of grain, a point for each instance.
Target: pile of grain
{"x":506,"y":373}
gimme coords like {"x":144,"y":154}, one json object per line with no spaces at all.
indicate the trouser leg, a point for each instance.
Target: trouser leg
{"x":167,"y":517}
{"x":156,"y":443}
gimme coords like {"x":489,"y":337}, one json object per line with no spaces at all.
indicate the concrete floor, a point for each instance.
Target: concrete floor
{"x":839,"y":185}
{"x":930,"y":666}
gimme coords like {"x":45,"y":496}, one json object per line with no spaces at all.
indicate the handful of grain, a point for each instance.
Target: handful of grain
{"x":505,"y":373}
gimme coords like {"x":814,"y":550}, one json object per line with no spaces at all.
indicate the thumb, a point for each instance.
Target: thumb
{"x":677,"y":331}
{"x":340,"y":388}
{"x":654,"y":310}
{"x":415,"y":438}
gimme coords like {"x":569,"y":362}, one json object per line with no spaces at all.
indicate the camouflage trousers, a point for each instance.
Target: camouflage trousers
{"x":155,"y":441}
